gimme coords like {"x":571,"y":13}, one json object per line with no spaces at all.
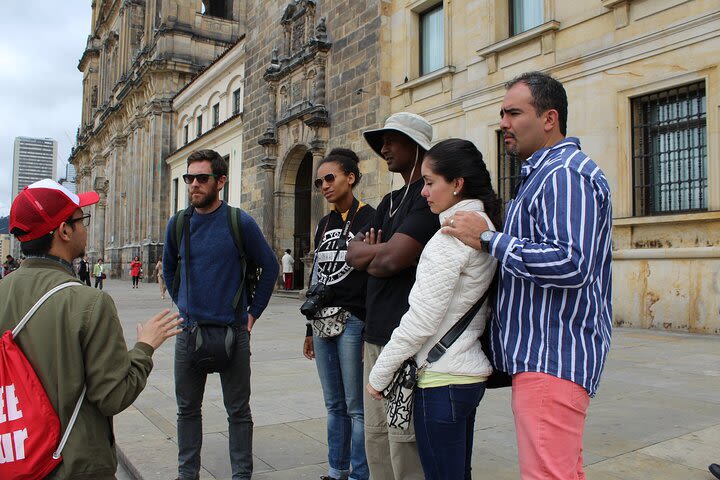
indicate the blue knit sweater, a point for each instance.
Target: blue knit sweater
{"x":215,"y":268}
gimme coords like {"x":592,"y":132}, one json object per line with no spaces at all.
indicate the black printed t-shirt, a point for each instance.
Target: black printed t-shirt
{"x":347,"y":284}
{"x":387,"y":298}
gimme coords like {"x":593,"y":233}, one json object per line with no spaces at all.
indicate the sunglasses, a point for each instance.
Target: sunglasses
{"x":189,"y":178}
{"x":329,"y":178}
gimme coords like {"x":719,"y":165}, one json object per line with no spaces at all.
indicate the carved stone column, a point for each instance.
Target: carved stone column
{"x":267,"y":180}
{"x":101,"y":187}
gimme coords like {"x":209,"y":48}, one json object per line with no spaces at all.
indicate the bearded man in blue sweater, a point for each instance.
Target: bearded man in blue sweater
{"x":211,"y":275}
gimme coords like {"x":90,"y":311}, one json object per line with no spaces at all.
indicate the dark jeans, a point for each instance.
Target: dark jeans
{"x":444,"y":421}
{"x":135,"y":280}
{"x":98,"y":282}
{"x":189,"y":390}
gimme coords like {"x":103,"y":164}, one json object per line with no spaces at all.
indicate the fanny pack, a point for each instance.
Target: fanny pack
{"x":211,"y":346}
{"x":330,"y":322}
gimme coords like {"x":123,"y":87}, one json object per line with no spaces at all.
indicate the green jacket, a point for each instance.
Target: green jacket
{"x":73,"y":339}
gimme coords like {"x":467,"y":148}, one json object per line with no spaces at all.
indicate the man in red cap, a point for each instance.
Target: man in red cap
{"x":75,"y":339}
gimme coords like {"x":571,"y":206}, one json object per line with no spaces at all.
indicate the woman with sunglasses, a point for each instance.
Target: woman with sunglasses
{"x":339,"y":357}
{"x":450,"y":278}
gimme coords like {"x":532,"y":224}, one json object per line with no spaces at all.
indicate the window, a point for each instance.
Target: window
{"x":525,"y":14}
{"x":432,"y":40}
{"x":176,"y":193}
{"x":508,"y":173}
{"x":236,"y":102}
{"x":198,"y":126}
{"x":215,"y":115}
{"x":217,"y":8}
{"x":669,"y":144}
{"x":226,"y":188}
{"x":185,"y":134}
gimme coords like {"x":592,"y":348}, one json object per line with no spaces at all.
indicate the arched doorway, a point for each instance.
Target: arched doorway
{"x":301,"y":236}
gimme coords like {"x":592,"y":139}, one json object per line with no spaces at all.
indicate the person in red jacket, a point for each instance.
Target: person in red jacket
{"x":135,"y":266}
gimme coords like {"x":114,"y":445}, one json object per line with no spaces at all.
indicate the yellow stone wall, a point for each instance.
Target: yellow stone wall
{"x":666,"y":268}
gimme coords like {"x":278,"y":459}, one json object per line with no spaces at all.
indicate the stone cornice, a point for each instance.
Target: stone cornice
{"x":519,"y":39}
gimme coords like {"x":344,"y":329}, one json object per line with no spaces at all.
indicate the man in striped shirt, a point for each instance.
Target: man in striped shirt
{"x":553,"y":325}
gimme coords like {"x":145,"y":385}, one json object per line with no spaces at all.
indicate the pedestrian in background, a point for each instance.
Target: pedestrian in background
{"x":135,"y":266}
{"x":84,"y":270}
{"x":288,"y":264}
{"x":99,"y":273}
{"x":160,"y":278}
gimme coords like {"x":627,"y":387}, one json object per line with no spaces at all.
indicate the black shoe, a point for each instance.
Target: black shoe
{"x":715,"y":469}
{"x":325,"y":477}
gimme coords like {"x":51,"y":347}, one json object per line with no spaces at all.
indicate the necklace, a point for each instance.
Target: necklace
{"x":407,"y":187}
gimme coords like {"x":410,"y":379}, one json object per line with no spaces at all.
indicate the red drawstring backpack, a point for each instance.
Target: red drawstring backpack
{"x":29,"y":427}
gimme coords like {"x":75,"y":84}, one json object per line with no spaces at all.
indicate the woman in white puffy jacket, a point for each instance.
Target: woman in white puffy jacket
{"x":451,"y":277}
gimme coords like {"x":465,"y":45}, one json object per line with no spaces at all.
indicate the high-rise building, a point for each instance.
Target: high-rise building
{"x":33,"y":160}
{"x":68,"y":180}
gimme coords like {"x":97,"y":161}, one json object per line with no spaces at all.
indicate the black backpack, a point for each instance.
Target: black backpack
{"x":250,"y":269}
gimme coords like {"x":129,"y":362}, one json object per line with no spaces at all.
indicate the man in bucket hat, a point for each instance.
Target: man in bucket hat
{"x":75,"y":338}
{"x":389,"y":252}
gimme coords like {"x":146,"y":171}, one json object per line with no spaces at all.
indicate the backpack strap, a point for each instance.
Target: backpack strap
{"x":180,"y":221}
{"x":236,"y":230}
{"x":39,"y":303}
{"x":19,"y":327}
{"x":71,"y":424}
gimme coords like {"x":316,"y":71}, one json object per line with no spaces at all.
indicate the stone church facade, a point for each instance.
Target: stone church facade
{"x":139,"y":54}
{"x":316,"y":77}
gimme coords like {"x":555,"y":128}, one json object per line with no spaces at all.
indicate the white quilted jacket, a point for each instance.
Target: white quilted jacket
{"x":451,"y":277}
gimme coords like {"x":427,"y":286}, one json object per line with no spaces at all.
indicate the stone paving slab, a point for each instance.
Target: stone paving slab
{"x":657,"y":414}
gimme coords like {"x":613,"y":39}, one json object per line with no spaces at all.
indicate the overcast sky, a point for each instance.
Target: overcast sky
{"x":40,"y":85}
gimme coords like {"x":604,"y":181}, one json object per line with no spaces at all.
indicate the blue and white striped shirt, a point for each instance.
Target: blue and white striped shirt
{"x":554,"y":312}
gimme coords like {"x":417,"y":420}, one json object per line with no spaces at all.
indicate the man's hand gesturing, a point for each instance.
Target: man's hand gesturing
{"x":159,"y":328}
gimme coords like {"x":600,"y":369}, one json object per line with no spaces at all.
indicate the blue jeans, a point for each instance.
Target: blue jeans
{"x":444,"y":421}
{"x":339,"y":364}
{"x":189,"y":390}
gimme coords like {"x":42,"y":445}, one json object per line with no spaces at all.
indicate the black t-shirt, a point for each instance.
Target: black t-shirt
{"x":347,"y":284}
{"x":387,"y":298}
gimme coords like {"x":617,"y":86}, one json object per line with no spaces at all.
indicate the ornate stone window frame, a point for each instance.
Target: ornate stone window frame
{"x":544,"y":32}
{"x":500,"y":30}
{"x":413,"y":79}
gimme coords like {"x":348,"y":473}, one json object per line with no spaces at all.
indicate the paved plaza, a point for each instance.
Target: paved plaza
{"x":656,"y":416}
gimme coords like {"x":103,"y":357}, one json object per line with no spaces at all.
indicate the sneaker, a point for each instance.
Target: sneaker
{"x":715,"y":469}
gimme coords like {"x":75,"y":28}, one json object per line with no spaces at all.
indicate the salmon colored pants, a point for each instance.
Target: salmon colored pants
{"x":549,"y":422}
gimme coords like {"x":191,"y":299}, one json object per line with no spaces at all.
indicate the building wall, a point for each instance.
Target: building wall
{"x":666,"y":267}
{"x":138,"y":56}
{"x":325,"y":83}
{"x":215,"y":85}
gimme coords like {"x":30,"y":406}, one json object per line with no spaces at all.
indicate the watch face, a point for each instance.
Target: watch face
{"x":487,"y":235}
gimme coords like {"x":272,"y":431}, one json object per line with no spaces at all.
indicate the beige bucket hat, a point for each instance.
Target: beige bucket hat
{"x":412,"y":125}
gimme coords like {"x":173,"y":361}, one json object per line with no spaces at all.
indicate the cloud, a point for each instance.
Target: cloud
{"x":42,"y":87}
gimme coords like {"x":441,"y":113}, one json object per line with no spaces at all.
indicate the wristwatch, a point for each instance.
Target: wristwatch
{"x":485,"y":239}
